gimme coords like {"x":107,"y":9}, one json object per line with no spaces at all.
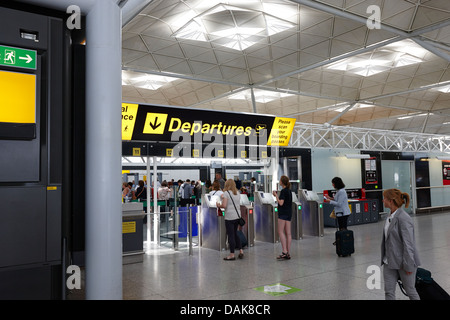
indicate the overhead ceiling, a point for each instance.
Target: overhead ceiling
{"x":316,"y":61}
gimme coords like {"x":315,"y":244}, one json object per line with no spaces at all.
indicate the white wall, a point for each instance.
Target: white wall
{"x":328,"y":163}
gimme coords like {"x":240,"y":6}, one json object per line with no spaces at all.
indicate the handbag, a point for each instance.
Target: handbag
{"x":241,"y":220}
{"x":333,"y":214}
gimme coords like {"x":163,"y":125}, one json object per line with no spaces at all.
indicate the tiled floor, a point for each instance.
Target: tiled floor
{"x":315,"y":268}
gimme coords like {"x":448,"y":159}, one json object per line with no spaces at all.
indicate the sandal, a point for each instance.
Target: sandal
{"x":283,"y":256}
{"x":229,"y":259}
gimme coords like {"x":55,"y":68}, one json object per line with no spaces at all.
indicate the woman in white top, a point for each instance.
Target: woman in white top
{"x":231,"y":202}
{"x":340,"y":203}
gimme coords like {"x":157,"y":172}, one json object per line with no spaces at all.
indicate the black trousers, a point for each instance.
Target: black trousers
{"x":342,"y":222}
{"x":233,"y":238}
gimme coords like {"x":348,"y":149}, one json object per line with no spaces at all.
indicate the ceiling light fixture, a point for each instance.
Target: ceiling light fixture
{"x":356,"y":106}
{"x":443,"y":89}
{"x":382,"y":60}
{"x":232,"y":27}
{"x":414,"y":115}
{"x":261,"y":96}
{"x":145,"y":81}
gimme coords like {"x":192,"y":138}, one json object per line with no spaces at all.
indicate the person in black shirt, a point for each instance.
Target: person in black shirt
{"x":284,"y":217}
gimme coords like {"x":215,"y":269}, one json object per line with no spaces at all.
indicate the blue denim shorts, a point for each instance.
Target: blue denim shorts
{"x":285,"y":217}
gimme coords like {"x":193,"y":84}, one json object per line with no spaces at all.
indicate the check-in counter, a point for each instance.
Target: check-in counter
{"x":246,"y":210}
{"x":296,"y":221}
{"x":312,"y":213}
{"x":362,"y":210}
{"x":132,"y":232}
{"x":213,"y":233}
{"x":266,"y":217}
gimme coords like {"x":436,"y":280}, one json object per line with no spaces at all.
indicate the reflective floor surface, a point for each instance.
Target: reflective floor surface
{"x":314,"y":269}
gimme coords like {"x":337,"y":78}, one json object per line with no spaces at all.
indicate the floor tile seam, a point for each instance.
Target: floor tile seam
{"x":168,"y":294}
{"x":230,"y":292}
{"x":444,"y":247}
{"x":318,"y":274}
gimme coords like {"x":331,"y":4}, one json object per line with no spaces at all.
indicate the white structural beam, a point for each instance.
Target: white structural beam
{"x":307,"y":135}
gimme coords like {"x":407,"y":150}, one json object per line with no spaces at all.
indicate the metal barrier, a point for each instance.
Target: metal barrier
{"x":179,"y":223}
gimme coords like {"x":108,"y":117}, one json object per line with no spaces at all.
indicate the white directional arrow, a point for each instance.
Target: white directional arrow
{"x":279,"y":288}
{"x":28,"y":58}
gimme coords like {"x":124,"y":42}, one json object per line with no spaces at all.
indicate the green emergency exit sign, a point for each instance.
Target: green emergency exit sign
{"x":17,"y":57}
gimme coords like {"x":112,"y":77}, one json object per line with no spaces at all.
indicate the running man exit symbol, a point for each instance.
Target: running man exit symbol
{"x":10,"y":57}
{"x":155,"y":123}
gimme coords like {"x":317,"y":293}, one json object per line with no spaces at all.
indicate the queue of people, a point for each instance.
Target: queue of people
{"x":188,"y":191}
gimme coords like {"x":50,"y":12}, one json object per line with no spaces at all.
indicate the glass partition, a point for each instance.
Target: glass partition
{"x":397,"y":174}
{"x":438,"y":191}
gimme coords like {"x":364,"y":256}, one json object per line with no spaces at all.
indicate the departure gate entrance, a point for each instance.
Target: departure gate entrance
{"x":203,"y":146}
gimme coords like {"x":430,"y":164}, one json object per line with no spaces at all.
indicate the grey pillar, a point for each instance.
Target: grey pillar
{"x":155,"y":203}
{"x":103,"y":152}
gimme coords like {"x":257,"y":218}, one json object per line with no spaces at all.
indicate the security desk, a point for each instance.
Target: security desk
{"x":266,"y":217}
{"x":296,"y":221}
{"x":213,"y":233}
{"x":312,"y":215}
{"x":246,"y":211}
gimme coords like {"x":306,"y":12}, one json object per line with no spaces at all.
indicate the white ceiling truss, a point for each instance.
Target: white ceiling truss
{"x":316,"y":61}
{"x":335,"y":137}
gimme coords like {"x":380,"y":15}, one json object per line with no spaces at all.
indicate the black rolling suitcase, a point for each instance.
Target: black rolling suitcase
{"x":344,"y":243}
{"x":426,"y":287}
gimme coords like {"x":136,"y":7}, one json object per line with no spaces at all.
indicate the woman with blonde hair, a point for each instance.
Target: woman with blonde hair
{"x":398,"y":249}
{"x":231,"y":201}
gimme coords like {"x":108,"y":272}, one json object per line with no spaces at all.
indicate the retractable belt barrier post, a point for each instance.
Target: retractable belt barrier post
{"x":176,"y":223}
{"x":189,"y":220}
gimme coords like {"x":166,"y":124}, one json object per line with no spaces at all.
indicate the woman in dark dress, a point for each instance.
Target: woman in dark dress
{"x":284,"y":217}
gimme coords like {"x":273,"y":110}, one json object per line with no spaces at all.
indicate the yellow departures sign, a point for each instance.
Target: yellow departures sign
{"x":281,"y":131}
{"x":157,"y":123}
{"x":129,"y":112}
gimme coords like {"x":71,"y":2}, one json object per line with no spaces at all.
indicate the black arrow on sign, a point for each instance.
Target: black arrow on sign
{"x":155,"y":125}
